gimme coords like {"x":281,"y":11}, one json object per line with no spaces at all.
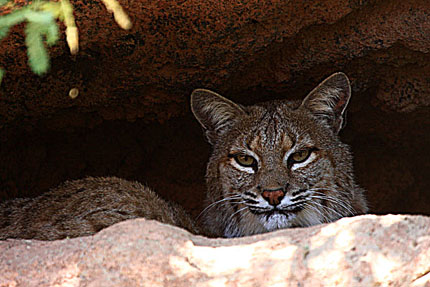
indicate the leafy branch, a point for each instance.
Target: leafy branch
{"x":42,"y":27}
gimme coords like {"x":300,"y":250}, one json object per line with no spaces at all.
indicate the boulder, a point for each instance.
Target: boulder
{"x":391,"y":250}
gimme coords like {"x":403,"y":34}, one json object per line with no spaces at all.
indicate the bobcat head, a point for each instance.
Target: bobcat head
{"x":277,"y":164}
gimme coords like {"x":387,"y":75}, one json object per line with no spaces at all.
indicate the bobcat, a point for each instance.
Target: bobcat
{"x":83,"y":207}
{"x":274,"y":165}
{"x":277,"y":164}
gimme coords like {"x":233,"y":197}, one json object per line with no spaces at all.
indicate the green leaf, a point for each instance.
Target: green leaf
{"x":38,"y":57}
{"x":41,"y":17}
{"x":13,"y":18}
{"x":3,"y":32}
{"x":51,"y":33}
{"x":3,"y":2}
{"x":46,"y":24}
{"x":53,"y":7}
{"x":2,"y":72}
{"x":67,"y":9}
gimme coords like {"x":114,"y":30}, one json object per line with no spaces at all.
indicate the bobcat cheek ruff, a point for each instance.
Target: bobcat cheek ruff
{"x":277,"y":164}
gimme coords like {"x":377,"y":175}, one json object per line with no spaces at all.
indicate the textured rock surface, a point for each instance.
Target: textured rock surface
{"x":362,"y":251}
{"x":176,"y":46}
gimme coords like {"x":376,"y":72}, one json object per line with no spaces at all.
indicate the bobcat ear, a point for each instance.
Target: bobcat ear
{"x":329,"y":99}
{"x":215,"y":113}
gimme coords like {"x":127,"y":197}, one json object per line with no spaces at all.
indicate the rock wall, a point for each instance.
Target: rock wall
{"x":131,"y":118}
{"x":361,"y":251}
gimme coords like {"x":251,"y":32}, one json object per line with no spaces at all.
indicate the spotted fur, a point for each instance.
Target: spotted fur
{"x":85,"y":206}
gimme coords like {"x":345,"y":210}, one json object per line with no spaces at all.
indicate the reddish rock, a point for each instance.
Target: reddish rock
{"x":362,"y":251}
{"x":175,"y":46}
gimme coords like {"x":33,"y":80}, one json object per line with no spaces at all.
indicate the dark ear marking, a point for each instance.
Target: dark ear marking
{"x":328,"y":101}
{"x":215,"y":113}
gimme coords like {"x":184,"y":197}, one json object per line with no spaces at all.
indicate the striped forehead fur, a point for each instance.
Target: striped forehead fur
{"x":271,"y":132}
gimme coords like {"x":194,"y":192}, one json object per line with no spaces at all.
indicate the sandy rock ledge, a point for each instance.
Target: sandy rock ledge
{"x":391,"y":250}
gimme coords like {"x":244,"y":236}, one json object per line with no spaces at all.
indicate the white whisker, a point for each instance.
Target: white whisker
{"x":230,"y":198}
{"x":337,"y":201}
{"x":329,"y":209}
{"x":324,"y":217}
{"x":231,"y":216}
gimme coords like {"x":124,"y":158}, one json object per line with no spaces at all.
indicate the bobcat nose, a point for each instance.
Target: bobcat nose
{"x":273,"y":197}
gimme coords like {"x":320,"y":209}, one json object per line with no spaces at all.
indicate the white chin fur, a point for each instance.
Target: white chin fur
{"x":276,"y":221}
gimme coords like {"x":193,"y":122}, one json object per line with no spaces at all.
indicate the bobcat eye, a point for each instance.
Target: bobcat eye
{"x":300,"y":156}
{"x":245,"y":160}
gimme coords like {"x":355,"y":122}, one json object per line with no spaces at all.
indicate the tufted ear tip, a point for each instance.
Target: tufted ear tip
{"x":338,"y":79}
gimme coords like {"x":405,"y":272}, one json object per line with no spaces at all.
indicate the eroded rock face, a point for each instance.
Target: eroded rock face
{"x":176,"y":46}
{"x":362,"y":251}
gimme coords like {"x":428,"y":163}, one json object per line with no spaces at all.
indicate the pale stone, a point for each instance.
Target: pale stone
{"x":370,"y":250}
